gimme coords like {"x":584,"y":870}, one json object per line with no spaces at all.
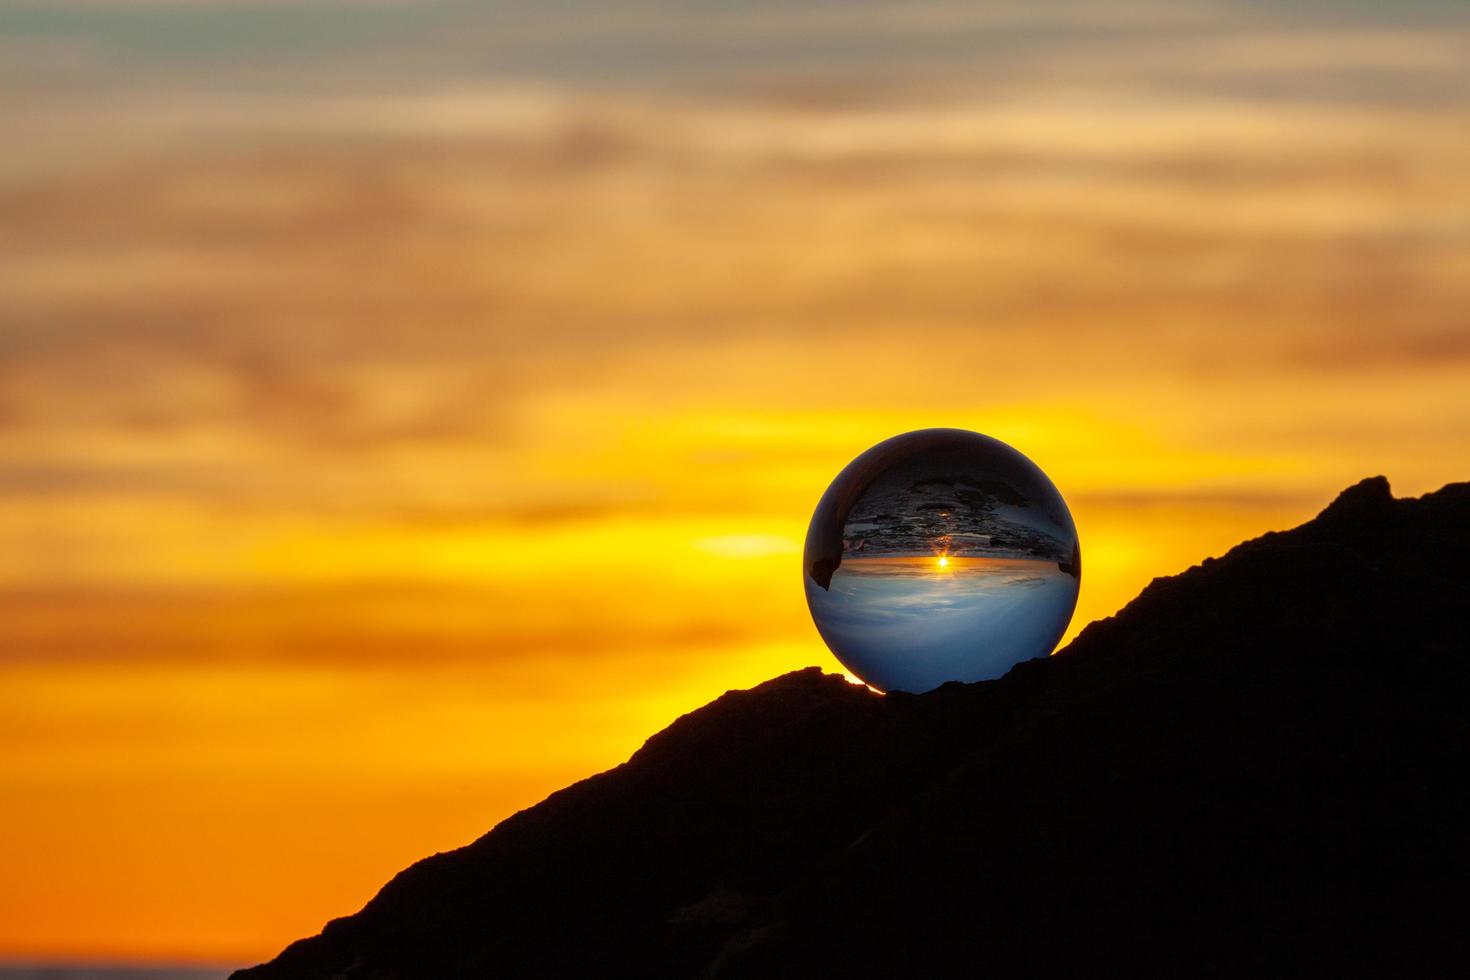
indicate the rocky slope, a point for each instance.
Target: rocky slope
{"x":1258,"y":767}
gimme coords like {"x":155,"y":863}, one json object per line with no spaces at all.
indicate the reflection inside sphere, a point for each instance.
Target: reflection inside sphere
{"x":940,"y":555}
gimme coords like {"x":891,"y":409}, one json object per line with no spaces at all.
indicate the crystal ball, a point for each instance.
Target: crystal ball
{"x":940,"y":555}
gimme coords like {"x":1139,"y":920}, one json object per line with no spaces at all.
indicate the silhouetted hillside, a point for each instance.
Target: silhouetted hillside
{"x":1258,"y":767}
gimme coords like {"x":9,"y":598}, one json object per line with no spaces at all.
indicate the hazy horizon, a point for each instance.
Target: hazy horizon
{"x":125,"y":970}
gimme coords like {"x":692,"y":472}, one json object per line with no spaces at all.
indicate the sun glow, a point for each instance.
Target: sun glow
{"x":427,"y":544}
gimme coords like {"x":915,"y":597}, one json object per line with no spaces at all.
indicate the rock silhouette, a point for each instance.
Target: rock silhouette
{"x":1257,"y":768}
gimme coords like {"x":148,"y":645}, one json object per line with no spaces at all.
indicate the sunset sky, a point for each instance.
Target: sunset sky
{"x":408,"y":407}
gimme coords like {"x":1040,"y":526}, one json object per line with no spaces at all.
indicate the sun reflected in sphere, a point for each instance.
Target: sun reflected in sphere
{"x":940,"y":555}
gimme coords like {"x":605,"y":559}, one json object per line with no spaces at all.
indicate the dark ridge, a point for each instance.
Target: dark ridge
{"x":1256,"y":768}
{"x":1359,"y":500}
{"x":1072,"y":566}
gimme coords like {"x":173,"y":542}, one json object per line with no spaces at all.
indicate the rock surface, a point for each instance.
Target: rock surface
{"x":1258,"y":767}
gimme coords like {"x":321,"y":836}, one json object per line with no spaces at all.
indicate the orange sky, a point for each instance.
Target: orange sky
{"x":405,"y":414}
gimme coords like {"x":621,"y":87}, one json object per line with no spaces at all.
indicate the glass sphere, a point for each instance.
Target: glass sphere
{"x":940,"y":555}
